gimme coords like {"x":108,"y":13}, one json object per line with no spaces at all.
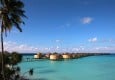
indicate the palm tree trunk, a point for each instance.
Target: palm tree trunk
{"x":2,"y":54}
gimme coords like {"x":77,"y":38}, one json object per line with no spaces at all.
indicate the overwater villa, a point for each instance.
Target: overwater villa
{"x":66,"y":56}
{"x":74,"y":55}
{"x":47,"y":55}
{"x":54,"y":57}
{"x":38,"y":56}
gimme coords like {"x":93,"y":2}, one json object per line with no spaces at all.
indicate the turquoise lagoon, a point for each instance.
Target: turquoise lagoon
{"x":87,"y":68}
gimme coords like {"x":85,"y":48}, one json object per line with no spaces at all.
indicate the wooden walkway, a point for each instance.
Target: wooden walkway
{"x":29,"y":59}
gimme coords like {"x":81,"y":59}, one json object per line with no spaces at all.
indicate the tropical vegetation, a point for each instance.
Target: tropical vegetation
{"x":10,"y":70}
{"x":11,"y":14}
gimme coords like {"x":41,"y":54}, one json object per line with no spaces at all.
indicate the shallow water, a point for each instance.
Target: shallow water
{"x":88,"y":68}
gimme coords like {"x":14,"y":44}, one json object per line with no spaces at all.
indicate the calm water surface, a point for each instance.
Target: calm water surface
{"x":88,"y":68}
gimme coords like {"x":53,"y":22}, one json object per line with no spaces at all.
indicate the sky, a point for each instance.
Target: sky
{"x":65,"y":26}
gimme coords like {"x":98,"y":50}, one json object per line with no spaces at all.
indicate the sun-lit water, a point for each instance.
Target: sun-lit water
{"x":88,"y":68}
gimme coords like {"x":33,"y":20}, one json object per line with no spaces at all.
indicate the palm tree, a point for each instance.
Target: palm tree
{"x":11,"y":13}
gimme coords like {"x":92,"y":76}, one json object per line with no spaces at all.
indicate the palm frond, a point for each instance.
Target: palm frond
{"x":20,"y":12}
{"x":17,"y":25}
{"x":19,"y":4}
{"x":13,"y":14}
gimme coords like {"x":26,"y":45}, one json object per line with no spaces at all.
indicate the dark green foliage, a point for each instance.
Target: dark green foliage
{"x":11,"y":71}
{"x":15,"y":58}
{"x":11,"y":59}
{"x":11,"y":14}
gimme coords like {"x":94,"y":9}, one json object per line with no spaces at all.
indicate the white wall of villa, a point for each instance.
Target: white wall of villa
{"x":36,"y":56}
{"x":53,"y":57}
{"x":66,"y":56}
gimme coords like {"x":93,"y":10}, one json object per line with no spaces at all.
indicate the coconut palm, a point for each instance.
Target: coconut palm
{"x":11,"y":13}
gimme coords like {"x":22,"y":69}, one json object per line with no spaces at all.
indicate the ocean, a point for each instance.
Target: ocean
{"x":87,"y":68}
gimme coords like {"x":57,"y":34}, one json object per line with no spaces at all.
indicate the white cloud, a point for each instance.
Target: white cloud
{"x":13,"y":46}
{"x":86,"y":20}
{"x":58,"y":40}
{"x":112,"y":41}
{"x":106,"y":49}
{"x":57,"y":47}
{"x":93,"y":39}
{"x":75,"y":49}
